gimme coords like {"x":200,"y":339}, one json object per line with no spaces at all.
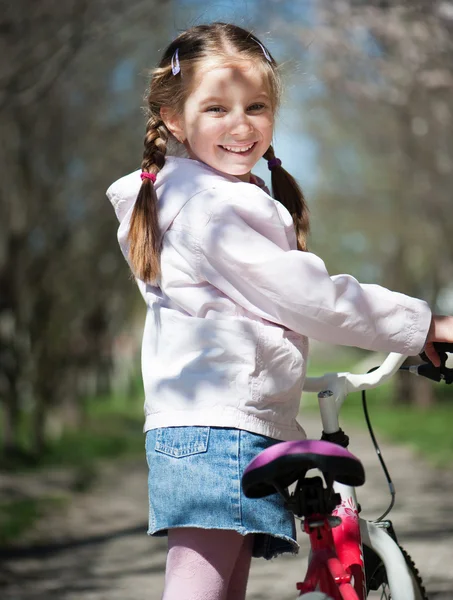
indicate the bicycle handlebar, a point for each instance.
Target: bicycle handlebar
{"x":333,"y":388}
{"x":342,"y":384}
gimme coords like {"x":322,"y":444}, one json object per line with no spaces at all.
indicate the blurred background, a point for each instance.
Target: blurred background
{"x":366,"y":128}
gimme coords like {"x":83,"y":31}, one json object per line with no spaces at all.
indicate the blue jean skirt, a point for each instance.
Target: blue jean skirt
{"x":195,"y":481}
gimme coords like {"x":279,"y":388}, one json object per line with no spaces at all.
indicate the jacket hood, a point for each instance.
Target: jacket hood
{"x":176,"y":183}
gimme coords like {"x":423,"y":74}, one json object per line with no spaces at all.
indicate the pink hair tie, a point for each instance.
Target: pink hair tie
{"x":146,"y":175}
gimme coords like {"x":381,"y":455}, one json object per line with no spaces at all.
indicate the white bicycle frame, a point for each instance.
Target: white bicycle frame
{"x":332,"y":390}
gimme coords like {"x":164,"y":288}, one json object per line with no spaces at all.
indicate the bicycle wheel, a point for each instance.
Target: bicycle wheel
{"x":377,"y":584}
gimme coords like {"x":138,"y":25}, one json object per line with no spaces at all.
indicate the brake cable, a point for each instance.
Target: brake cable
{"x":428,"y":370}
{"x":379,"y":454}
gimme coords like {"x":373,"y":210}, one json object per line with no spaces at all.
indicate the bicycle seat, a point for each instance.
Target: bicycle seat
{"x":287,"y":462}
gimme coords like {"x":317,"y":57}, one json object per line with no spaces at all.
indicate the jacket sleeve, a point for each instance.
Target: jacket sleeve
{"x":244,"y":253}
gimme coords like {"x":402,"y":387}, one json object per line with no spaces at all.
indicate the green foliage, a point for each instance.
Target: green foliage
{"x":18,"y":516}
{"x":112,"y":428}
{"x":427,"y":431}
{"x":327,"y":359}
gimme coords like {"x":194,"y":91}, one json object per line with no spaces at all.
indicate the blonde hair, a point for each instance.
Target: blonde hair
{"x":195,"y":46}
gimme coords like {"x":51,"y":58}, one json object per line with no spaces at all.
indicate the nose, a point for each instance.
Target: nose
{"x":241,"y":124}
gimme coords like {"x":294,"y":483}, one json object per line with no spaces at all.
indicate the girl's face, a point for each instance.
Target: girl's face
{"x":228,"y":119}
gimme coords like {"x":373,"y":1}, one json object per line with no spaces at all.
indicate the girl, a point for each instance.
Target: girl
{"x":232,"y":297}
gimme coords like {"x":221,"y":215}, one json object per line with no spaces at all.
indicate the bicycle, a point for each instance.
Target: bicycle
{"x":350,"y":557}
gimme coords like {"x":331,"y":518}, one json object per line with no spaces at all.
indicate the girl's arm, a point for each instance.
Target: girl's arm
{"x":245,"y":253}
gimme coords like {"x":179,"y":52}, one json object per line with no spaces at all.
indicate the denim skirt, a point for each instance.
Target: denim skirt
{"x":195,"y":481}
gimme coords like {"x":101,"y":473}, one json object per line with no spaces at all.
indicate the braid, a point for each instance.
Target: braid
{"x":156,"y":138}
{"x":287,"y":191}
{"x":144,"y":235}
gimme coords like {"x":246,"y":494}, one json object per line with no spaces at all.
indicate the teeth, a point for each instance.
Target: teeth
{"x":237,"y":150}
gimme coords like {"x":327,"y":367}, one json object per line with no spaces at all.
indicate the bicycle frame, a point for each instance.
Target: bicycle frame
{"x":347,"y":538}
{"x":336,"y":564}
{"x":326,"y":572}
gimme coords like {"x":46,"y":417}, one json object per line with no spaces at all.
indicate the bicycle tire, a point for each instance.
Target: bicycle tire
{"x":376,"y":576}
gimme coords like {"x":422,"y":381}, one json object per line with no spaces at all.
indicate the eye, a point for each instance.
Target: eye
{"x":216,"y":109}
{"x":254,"y":107}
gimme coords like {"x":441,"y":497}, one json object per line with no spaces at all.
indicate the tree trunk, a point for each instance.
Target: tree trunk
{"x":413,"y":390}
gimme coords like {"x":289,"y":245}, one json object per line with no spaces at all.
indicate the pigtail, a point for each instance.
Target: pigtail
{"x":144,"y":235}
{"x":287,"y":191}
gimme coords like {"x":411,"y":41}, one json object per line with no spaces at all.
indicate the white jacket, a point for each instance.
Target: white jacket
{"x":225,"y":340}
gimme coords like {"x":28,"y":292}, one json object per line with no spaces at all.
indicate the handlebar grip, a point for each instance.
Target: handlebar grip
{"x":442,"y":348}
{"x":437,"y":373}
{"x":429,"y":371}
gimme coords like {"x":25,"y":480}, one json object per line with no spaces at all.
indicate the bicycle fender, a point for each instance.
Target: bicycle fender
{"x":398,"y":574}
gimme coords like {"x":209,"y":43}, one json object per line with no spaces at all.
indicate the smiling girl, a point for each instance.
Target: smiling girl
{"x":232,"y":297}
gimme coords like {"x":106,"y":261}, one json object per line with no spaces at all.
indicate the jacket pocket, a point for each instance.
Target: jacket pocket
{"x":182,"y":441}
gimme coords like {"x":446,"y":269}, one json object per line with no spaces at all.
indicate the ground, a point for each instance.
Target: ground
{"x":97,"y":548}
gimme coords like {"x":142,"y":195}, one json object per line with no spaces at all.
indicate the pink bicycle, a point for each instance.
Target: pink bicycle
{"x":350,"y":558}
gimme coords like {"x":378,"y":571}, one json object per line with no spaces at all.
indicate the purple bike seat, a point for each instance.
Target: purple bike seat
{"x":286,"y":462}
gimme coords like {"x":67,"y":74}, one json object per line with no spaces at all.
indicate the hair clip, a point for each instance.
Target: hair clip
{"x":175,"y":66}
{"x":265,"y":52}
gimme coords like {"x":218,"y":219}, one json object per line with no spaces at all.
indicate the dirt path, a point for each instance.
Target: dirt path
{"x":98,"y":548}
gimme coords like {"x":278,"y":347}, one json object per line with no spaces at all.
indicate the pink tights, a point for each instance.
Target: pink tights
{"x":207,"y":564}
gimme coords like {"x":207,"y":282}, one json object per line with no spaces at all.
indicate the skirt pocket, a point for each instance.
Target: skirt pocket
{"x":179,"y":442}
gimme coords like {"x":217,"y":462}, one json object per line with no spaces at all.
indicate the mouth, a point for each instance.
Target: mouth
{"x":240,"y":150}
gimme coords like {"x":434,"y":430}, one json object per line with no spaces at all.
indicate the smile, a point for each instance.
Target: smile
{"x":239,"y":149}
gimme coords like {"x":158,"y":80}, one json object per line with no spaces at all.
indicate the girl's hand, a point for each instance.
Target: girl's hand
{"x":441,"y":330}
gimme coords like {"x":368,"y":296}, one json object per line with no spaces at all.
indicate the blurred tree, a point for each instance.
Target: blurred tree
{"x":382,"y":115}
{"x":32,"y":59}
{"x":64,"y":291}
{"x":72,"y":75}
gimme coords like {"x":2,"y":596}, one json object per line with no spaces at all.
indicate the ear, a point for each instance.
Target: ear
{"x":173,"y":122}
